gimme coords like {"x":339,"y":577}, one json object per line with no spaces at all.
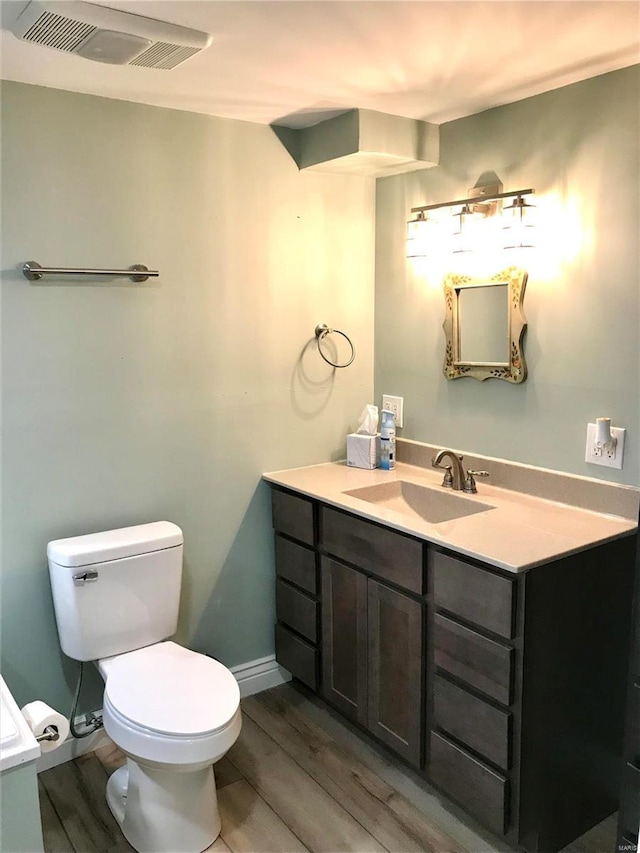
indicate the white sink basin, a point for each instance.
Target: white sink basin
{"x":433,"y":505}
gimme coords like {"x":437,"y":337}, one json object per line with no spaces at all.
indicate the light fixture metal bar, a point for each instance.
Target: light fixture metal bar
{"x":473,"y":200}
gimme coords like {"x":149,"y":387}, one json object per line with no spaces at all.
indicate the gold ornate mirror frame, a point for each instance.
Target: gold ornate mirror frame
{"x":512,"y":370}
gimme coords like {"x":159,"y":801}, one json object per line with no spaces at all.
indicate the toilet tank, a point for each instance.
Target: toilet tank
{"x":116,"y":591}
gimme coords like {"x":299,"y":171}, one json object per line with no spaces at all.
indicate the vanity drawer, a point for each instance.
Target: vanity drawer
{"x":482,"y":727}
{"x":485,"y":664}
{"x":297,"y":564}
{"x":297,"y":610}
{"x":300,"y":658}
{"x":474,"y":594}
{"x":476,"y":787}
{"x":293,"y":515}
{"x":391,"y":556}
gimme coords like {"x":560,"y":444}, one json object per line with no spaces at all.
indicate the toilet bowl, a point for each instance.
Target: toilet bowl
{"x":172,"y":711}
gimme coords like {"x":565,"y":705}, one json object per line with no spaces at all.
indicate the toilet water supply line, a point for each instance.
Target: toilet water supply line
{"x":93,"y":722}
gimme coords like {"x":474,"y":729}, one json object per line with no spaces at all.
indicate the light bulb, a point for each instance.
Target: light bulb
{"x":518,"y":224}
{"x":418,"y":234}
{"x":465,"y":230}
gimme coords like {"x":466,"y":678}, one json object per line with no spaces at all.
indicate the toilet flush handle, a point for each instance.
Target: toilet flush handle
{"x":82,"y":577}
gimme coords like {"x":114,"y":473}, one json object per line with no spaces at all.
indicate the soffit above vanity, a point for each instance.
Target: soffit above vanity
{"x":364,"y":142}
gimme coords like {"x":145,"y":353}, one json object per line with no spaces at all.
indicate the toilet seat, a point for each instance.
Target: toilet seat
{"x":169,"y":705}
{"x":173,"y":691}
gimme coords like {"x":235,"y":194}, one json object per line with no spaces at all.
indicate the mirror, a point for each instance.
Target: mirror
{"x":483,"y":321}
{"x":484,"y":326}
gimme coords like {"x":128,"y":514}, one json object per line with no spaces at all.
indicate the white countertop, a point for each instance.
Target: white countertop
{"x":518,"y":533}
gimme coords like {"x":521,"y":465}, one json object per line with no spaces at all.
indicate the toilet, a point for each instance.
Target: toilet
{"x":172,"y":711}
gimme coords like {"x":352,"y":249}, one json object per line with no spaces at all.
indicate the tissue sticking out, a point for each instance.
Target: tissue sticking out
{"x":368,"y":420}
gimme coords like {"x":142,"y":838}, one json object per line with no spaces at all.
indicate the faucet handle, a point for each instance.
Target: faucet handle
{"x":448,"y":476}
{"x":470,"y":482}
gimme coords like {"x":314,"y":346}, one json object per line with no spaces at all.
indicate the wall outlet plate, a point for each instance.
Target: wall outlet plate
{"x":600,"y":456}
{"x":395,"y":405}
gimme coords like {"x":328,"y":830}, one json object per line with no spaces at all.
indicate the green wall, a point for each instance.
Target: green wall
{"x":579,"y":148}
{"x":127,"y":403}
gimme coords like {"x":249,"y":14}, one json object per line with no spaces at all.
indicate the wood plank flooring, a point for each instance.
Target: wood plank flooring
{"x":298,"y":779}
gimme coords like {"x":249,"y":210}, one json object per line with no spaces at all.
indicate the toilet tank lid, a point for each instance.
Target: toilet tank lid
{"x":114,"y":544}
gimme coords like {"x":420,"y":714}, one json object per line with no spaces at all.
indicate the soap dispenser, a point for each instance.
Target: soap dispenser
{"x":388,"y":441}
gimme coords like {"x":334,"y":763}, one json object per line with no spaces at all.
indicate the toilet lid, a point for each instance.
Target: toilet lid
{"x":172,"y":690}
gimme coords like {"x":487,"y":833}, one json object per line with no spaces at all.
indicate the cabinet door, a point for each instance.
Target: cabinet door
{"x":344,"y":639}
{"x":395,"y":670}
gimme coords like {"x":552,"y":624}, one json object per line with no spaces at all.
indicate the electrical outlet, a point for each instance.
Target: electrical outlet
{"x":606,"y":456}
{"x":395,"y":405}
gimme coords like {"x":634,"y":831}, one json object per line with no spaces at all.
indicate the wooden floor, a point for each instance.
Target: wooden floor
{"x":298,"y":779}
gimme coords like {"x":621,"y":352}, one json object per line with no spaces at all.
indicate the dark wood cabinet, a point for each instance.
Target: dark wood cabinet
{"x":479,"y":661}
{"x":479,"y":725}
{"x":297,"y":610}
{"x":372,"y":659}
{"x":629,"y":815}
{"x":395,"y":632}
{"x":473,"y":784}
{"x":344,"y":639}
{"x":297,"y":634}
{"x":296,"y":564}
{"x":391,"y":556}
{"x":505,"y":690}
{"x":298,"y":656}
{"x":294,"y":516}
{"x":474,"y":594}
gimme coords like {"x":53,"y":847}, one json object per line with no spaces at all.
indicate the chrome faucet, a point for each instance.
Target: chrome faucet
{"x":455,"y":476}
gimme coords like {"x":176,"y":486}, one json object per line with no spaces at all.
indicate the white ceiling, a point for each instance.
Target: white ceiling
{"x":297,"y":61}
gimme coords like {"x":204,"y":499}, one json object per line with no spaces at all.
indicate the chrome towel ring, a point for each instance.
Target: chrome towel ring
{"x":322,"y":330}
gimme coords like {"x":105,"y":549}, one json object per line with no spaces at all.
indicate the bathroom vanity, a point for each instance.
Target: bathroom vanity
{"x":487,"y":649}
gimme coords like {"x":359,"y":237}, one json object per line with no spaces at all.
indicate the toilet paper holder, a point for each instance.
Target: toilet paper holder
{"x":49,"y":728}
{"x":50,"y":733}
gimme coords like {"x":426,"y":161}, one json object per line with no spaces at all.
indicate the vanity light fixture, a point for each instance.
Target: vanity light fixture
{"x":483,"y":202}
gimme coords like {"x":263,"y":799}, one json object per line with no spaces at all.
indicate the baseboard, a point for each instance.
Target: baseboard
{"x":258,"y":675}
{"x":252,"y":677}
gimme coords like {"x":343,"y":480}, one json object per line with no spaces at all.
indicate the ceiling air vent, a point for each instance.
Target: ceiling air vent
{"x":108,"y":35}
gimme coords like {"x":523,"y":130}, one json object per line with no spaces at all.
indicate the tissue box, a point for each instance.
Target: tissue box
{"x":363,"y":451}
